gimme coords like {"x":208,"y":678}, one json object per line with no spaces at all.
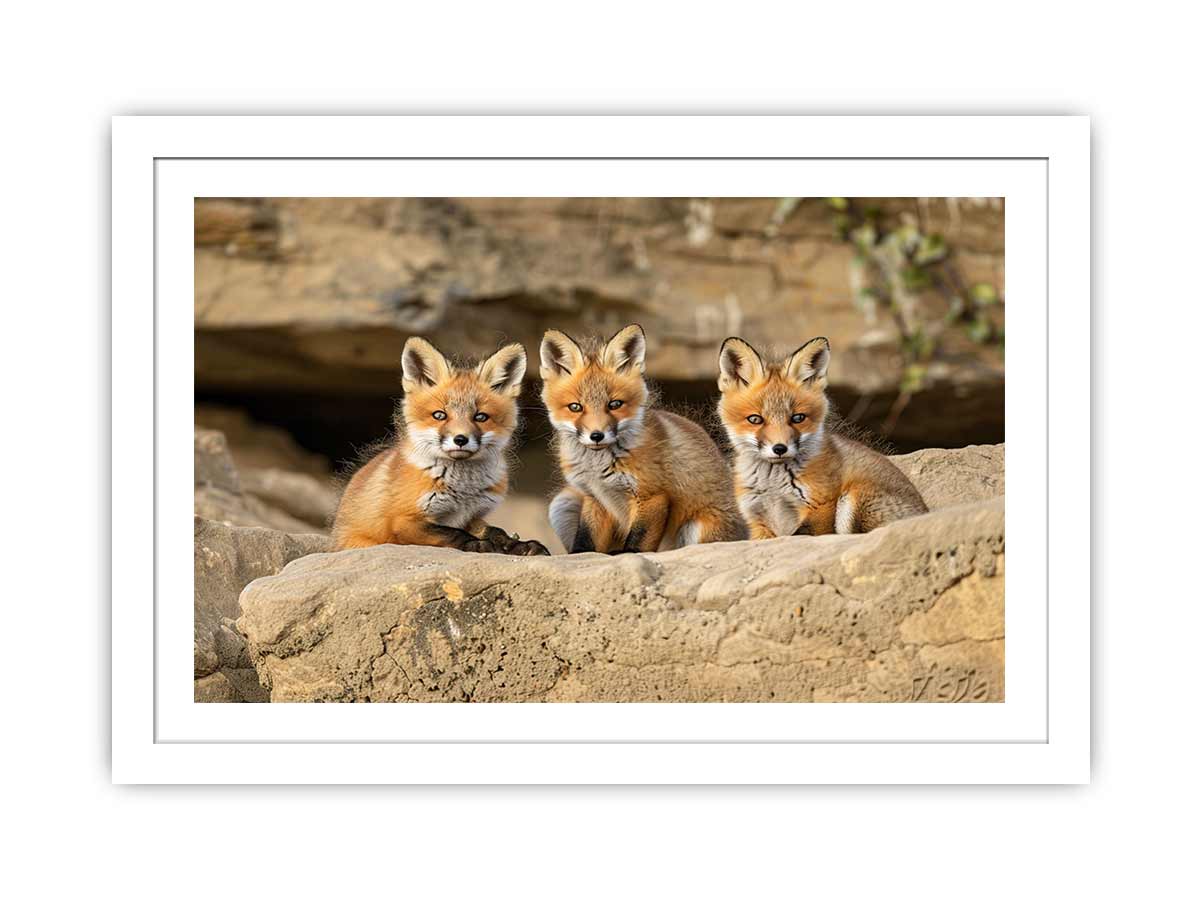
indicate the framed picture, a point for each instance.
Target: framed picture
{"x":601,"y":449}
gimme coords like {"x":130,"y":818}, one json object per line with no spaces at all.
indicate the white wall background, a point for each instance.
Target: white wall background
{"x":65,"y":71}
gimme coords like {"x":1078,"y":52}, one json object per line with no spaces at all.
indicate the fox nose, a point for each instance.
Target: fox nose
{"x":597,"y":436}
{"x":779,"y":449}
{"x":460,"y":439}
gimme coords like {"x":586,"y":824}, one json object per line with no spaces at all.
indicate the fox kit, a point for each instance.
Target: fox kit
{"x":638,"y":479}
{"x":794,"y":476}
{"x":447,"y":470}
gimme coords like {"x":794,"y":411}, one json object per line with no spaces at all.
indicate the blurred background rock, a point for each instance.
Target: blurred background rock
{"x":302,"y":306}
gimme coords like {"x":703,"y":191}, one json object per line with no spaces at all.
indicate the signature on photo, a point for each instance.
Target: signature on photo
{"x":948,"y":685}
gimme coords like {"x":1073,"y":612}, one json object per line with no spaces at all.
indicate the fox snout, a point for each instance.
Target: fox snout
{"x":776,"y":452}
{"x":597,"y":434}
{"x":460,"y":444}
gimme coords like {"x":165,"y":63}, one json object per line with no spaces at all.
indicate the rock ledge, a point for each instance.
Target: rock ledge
{"x":914,"y":611}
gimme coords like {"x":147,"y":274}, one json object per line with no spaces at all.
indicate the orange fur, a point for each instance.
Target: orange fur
{"x":638,"y":479}
{"x":792,"y":475}
{"x":448,"y":469}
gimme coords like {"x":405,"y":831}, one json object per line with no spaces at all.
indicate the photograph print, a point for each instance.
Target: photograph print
{"x":630,"y":450}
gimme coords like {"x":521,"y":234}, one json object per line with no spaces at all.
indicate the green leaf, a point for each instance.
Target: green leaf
{"x":930,"y":249}
{"x":906,"y":237}
{"x":838,"y":203}
{"x":983,"y":294}
{"x":915,"y":279}
{"x":864,"y":235}
{"x":979,"y":330}
{"x":918,"y":345}
{"x":913,"y":378}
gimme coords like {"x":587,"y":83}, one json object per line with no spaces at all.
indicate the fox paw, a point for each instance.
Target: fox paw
{"x":528,"y":548}
{"x":479,"y":547}
{"x":499,"y":539}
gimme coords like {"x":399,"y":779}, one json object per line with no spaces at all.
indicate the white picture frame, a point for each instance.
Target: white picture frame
{"x":1040,"y":734}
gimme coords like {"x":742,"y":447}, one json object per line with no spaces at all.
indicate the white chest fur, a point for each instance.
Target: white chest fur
{"x":772,"y":492}
{"x":598,"y":473}
{"x":462,"y":492}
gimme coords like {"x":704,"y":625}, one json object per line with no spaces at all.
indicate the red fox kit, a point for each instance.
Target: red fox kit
{"x":638,"y":479}
{"x":447,"y":470}
{"x":793,"y":476}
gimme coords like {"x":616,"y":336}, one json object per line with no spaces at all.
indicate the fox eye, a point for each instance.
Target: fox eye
{"x":439,"y":415}
{"x":797,"y":418}
{"x":481,"y":417}
{"x":615,"y":404}
{"x":575,"y":407}
{"x":755,"y":419}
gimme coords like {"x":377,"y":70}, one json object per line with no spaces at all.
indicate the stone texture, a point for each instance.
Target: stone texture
{"x":317,"y":295}
{"x":267,"y":498}
{"x":228,"y":558}
{"x":214,"y":465}
{"x":254,"y":445}
{"x":963,"y":475}
{"x":308,"y":500}
{"x":916,"y":607}
{"x":913,"y":611}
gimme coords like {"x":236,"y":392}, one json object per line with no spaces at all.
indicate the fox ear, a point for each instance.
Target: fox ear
{"x":810,"y":362}
{"x":740,"y":364}
{"x":504,"y":369}
{"x":560,"y":355}
{"x":626,"y":350}
{"x":422,"y":365}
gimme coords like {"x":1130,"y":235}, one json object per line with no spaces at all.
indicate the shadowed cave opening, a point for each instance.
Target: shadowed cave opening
{"x":340,"y":425}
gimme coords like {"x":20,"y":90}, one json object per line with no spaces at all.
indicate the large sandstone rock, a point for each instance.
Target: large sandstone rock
{"x":318,"y":295}
{"x":914,"y":611}
{"x":228,"y":558}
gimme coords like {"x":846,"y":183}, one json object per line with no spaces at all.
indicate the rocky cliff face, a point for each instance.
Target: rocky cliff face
{"x":316,"y":296}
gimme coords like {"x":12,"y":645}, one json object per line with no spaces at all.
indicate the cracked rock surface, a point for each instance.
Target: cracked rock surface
{"x":227,"y":558}
{"x":914,"y":611}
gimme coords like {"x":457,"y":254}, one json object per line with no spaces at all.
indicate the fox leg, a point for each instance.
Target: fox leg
{"x":754,"y":519}
{"x":686,"y":534}
{"x":816,"y":519}
{"x":707,"y":527}
{"x":597,"y":529}
{"x":564,"y":513}
{"x":713,"y":527}
{"x":428,"y":534}
{"x":761,"y":531}
{"x":580,"y":522}
{"x":847,"y":516}
{"x":649,"y":524}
